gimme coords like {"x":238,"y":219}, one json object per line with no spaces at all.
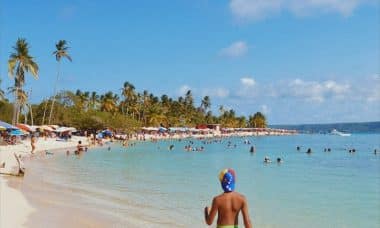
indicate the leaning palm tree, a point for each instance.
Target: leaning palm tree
{"x":22,"y":98}
{"x":2,"y":96}
{"x":60,"y":52}
{"x":19,"y":63}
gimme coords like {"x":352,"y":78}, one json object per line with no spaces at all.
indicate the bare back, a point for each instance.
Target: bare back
{"x":229,"y":205}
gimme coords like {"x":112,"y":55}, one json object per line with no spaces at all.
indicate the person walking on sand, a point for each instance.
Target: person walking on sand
{"x":33,"y":143}
{"x":228,"y":204}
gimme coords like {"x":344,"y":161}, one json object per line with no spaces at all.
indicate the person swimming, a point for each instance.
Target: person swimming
{"x":228,"y":205}
{"x":267,"y":159}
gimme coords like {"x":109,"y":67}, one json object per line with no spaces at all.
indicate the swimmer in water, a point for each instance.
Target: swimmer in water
{"x":267,"y":159}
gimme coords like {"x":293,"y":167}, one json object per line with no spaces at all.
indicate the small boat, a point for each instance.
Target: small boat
{"x":336,"y":132}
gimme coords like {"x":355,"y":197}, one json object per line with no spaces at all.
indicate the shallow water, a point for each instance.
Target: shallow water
{"x":148,"y":185}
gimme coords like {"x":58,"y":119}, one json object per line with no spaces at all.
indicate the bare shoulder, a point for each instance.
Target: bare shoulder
{"x":240,"y":196}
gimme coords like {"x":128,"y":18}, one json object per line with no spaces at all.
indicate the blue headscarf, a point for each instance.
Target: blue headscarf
{"x":227,"y":179}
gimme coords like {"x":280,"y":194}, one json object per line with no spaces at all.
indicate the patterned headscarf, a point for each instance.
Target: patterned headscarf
{"x":227,"y":179}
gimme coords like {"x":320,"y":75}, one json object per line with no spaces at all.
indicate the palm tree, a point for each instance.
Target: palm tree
{"x":22,"y":98}
{"x":19,"y":63}
{"x":257,"y":120}
{"x":94,"y":100}
{"x":206,"y":103}
{"x":2,"y":96}
{"x":128,"y":92}
{"x":60,"y":52}
{"x":109,"y":102}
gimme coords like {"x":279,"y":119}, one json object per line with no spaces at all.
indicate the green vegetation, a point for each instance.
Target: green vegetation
{"x":19,"y":63}
{"x":60,"y":52}
{"x":128,"y":110}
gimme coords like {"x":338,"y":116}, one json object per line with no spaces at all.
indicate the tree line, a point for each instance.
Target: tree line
{"x":127,"y":110}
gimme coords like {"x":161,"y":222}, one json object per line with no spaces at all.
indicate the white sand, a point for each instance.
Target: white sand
{"x":14,"y":208}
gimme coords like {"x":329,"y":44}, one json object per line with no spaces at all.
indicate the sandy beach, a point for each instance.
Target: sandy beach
{"x":14,"y":208}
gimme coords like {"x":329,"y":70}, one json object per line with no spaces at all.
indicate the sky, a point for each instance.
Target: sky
{"x":297,"y":61}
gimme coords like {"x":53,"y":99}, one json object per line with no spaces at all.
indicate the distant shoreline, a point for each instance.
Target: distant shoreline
{"x":354,"y":127}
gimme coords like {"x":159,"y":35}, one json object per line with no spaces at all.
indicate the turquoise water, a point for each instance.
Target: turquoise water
{"x":150,"y":185}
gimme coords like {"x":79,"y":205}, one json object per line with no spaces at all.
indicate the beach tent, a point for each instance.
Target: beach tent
{"x":7,"y":125}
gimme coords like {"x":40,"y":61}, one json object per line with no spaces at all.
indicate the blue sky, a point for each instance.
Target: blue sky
{"x":298,"y":61}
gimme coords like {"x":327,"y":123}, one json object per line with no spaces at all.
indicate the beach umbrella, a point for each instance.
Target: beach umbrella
{"x":7,"y":125}
{"x":162,"y":129}
{"x":25,"y":127}
{"x":46,"y":128}
{"x":16,"y":132}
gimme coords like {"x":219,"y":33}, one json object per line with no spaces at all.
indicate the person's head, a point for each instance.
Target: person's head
{"x":79,"y":142}
{"x":227,"y":179}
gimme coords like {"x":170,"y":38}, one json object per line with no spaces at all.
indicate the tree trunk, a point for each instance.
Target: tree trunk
{"x":31,"y":114}
{"x":55,"y":92}
{"x":43,"y":117}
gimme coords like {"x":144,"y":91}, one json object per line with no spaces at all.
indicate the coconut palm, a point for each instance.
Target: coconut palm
{"x":206,"y":103}
{"x":19,"y":63}
{"x":257,"y":120}
{"x":2,"y":96}
{"x":94,"y":100}
{"x":109,"y":102}
{"x":22,"y":98}
{"x":60,"y":52}
{"x":129,"y":94}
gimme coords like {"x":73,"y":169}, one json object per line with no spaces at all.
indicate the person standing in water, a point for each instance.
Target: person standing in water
{"x":228,"y":204}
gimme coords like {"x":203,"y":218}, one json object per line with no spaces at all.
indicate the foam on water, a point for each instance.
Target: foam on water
{"x":148,"y":184}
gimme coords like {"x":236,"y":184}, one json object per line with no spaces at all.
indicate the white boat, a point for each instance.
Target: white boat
{"x":336,"y":132}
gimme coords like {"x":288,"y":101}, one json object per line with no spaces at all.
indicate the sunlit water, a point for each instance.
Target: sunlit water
{"x":150,"y":185}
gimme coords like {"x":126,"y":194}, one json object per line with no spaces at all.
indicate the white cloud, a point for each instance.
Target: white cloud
{"x":247,"y":82}
{"x":258,"y":9}
{"x":236,"y":49}
{"x":316,"y":91}
{"x":183,"y":90}
{"x":216,"y":92}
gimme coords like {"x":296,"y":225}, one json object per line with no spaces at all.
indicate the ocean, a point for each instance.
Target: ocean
{"x":148,"y":185}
